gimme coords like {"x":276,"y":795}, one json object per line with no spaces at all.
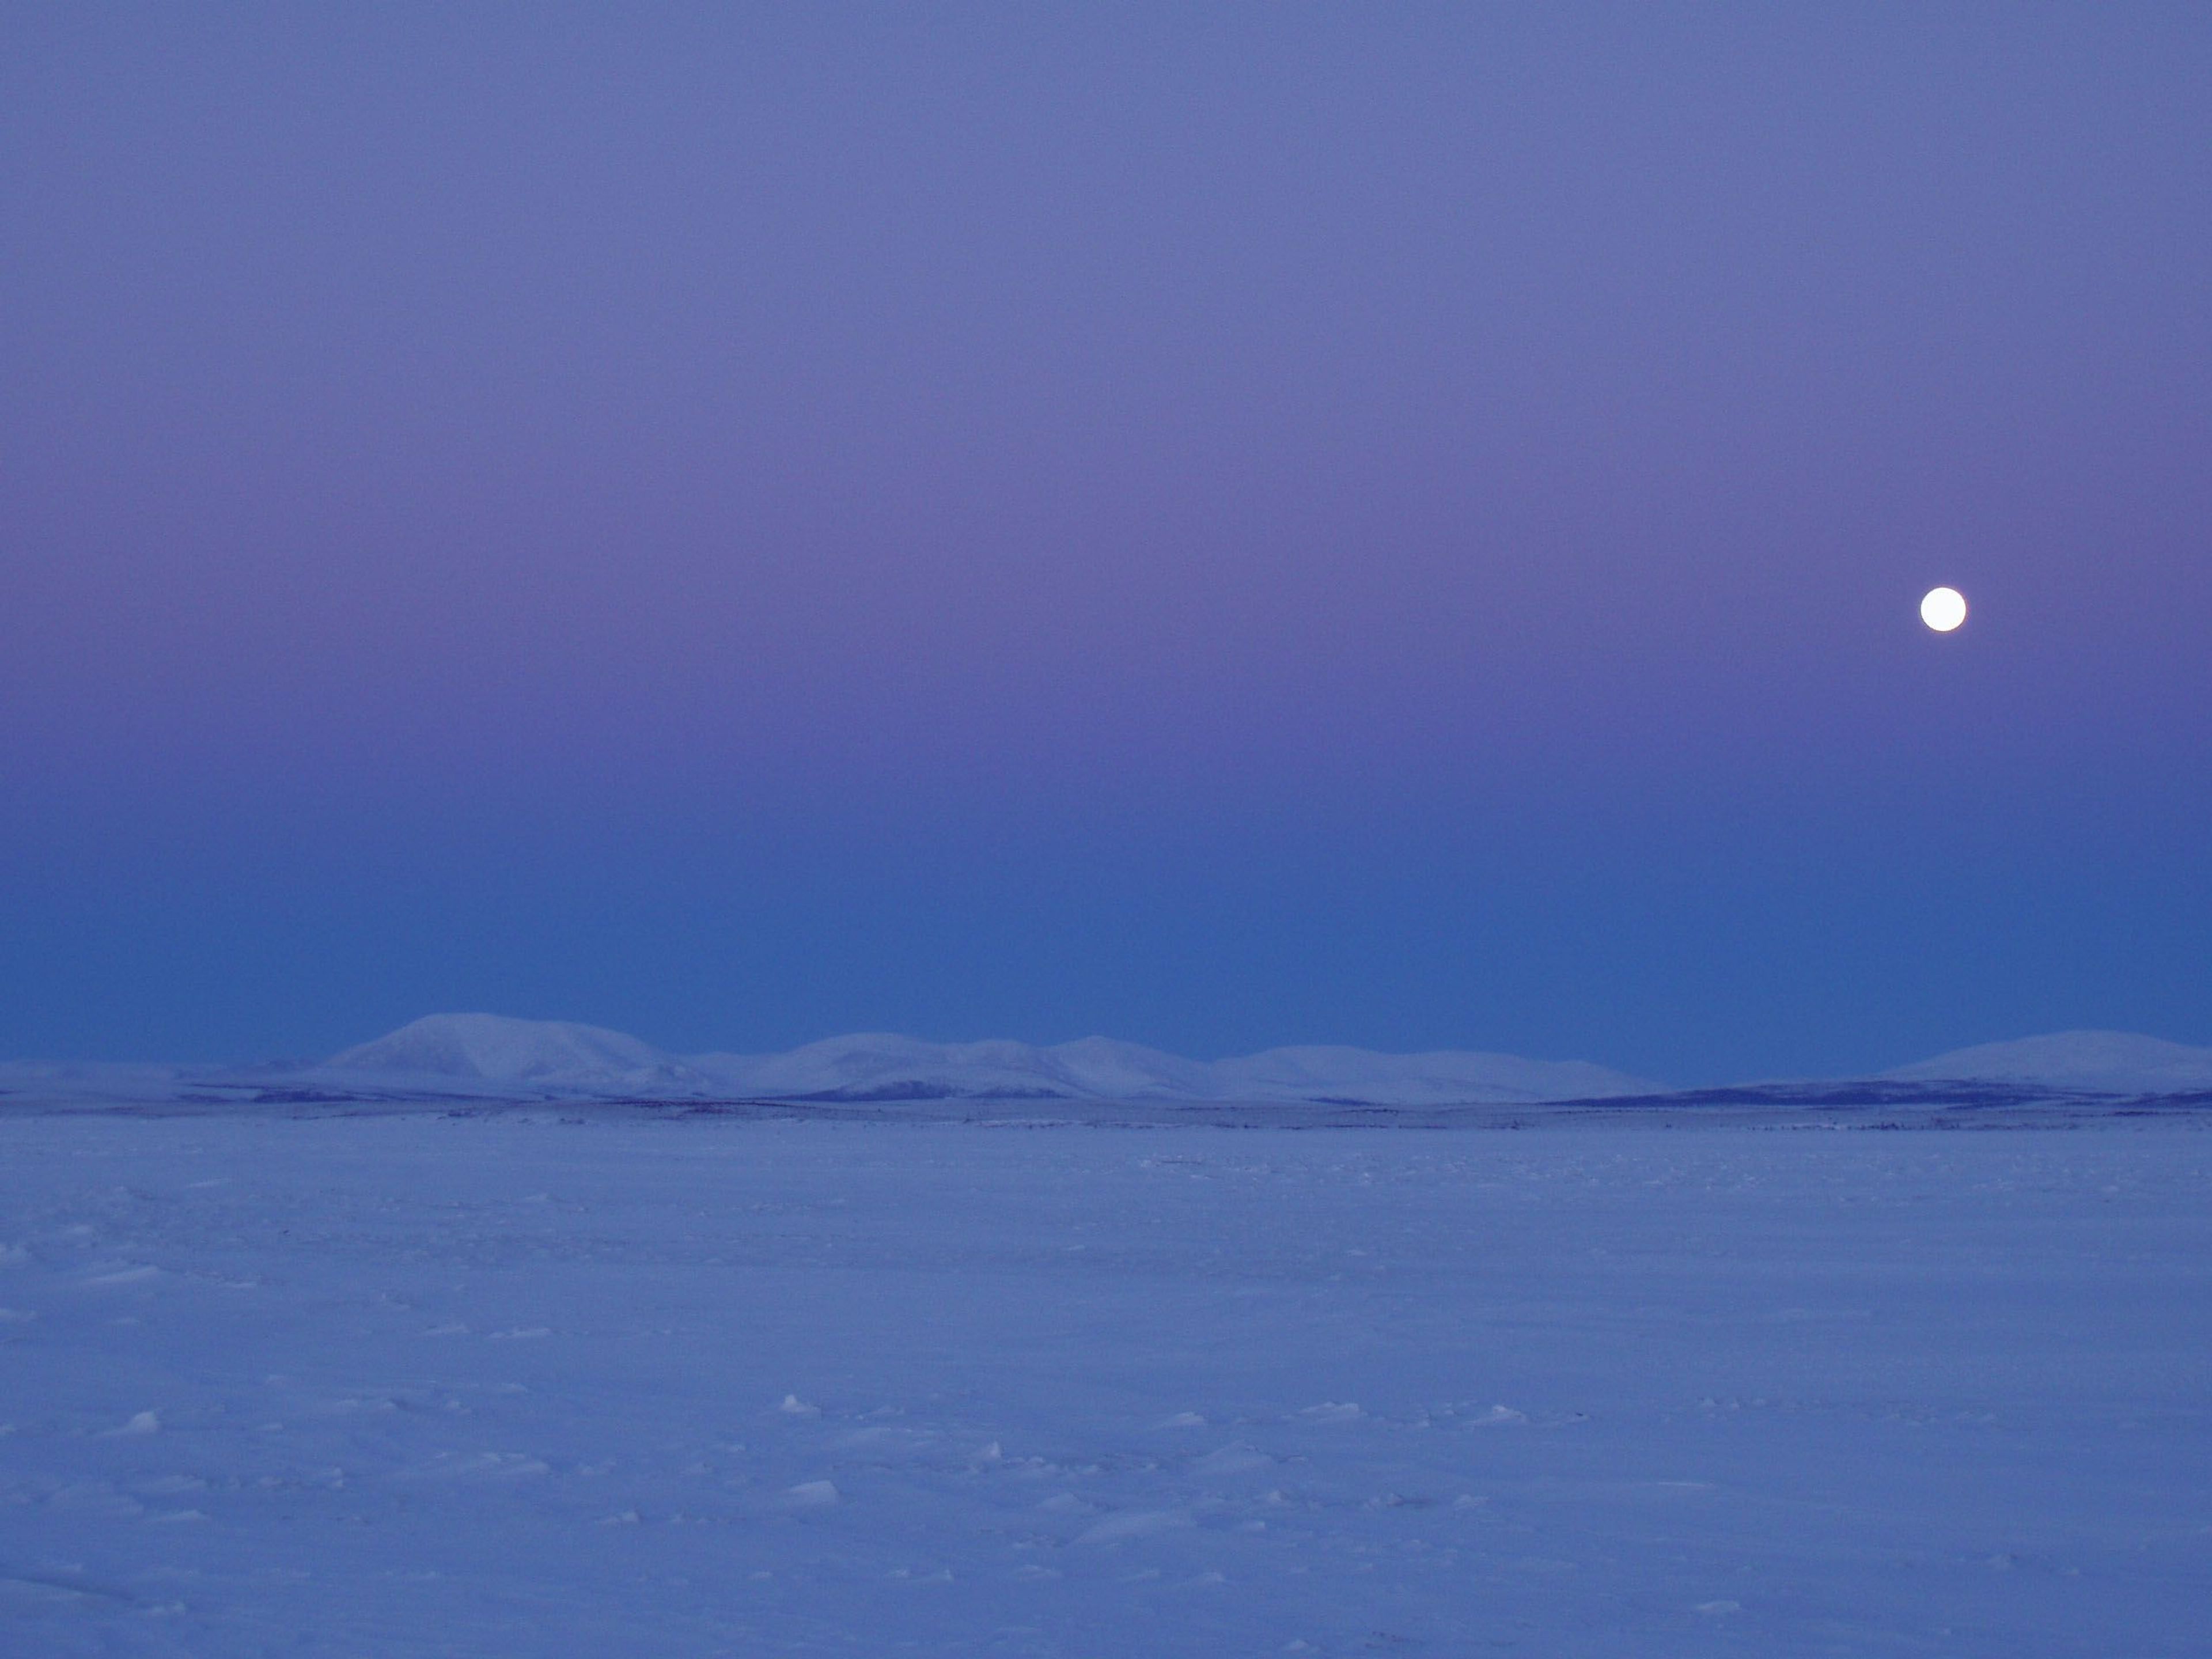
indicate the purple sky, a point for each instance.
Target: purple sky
{"x":1220,"y":527}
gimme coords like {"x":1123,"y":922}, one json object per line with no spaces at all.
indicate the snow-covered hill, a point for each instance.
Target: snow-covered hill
{"x":466,"y":1053}
{"x":2105,"y":1063}
{"x":491,"y":1057}
{"x":542,"y":1053}
{"x":879,"y":1067}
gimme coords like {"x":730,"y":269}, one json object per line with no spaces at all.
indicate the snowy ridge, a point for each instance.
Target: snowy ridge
{"x":472,"y":1050}
{"x":489,"y":1057}
{"x":2112,"y":1062}
{"x":880,"y":1067}
{"x":492,"y":1048}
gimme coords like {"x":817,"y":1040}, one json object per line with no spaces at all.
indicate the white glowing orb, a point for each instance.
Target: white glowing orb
{"x":1944,"y":609}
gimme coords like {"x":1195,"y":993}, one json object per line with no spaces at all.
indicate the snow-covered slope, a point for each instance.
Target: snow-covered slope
{"x":2113,"y":1062}
{"x":538,"y":1052}
{"x":877,"y":1067}
{"x":880,"y":1067}
{"x":492,"y":1057}
{"x":470,"y":1052}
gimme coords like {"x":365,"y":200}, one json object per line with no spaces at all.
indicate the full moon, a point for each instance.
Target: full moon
{"x":1943,"y":608}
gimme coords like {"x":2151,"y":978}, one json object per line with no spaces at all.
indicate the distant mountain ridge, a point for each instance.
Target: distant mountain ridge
{"x":489,"y":1049}
{"x":2113,"y":1062}
{"x":494,"y":1048}
{"x":494,"y":1058}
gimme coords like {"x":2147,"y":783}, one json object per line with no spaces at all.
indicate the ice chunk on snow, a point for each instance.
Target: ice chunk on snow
{"x":1235,"y":1458}
{"x":481,"y":1465}
{"x":137,"y":1274}
{"x":1133,"y":1523}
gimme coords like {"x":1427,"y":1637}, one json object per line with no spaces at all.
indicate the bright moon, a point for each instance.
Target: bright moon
{"x":1944,"y":609}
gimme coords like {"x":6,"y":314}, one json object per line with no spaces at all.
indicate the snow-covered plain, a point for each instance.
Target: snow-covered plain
{"x":506,"y":1384}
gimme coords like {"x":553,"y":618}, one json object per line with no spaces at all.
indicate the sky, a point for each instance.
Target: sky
{"x":1218,"y":526}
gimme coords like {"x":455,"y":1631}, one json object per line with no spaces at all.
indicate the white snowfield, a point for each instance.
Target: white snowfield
{"x":538,"y":1384}
{"x":492,"y":1057}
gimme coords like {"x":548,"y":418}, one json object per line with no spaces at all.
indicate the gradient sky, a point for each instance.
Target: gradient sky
{"x":1220,"y":526}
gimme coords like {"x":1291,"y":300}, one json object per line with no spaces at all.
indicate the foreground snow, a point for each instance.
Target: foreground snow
{"x":411,"y":1385}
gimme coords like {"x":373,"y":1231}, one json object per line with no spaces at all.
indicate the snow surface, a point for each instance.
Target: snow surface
{"x":507,"y":1384}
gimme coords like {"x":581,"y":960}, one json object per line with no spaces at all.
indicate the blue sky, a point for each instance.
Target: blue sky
{"x":1293,"y":524}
